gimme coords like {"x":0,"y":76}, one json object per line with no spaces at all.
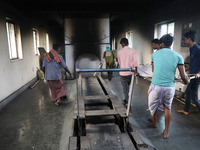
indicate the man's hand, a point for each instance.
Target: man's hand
{"x":137,"y":74}
{"x":197,"y":75}
{"x":71,"y":77}
{"x":45,"y":81}
{"x":188,"y":81}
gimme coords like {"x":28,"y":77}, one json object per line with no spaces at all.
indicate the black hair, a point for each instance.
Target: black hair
{"x":156,"y":41}
{"x":124,"y":40}
{"x":56,"y":47}
{"x":190,"y":34}
{"x":167,"y":39}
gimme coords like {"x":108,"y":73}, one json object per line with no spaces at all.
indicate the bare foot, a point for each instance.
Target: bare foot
{"x":58,"y":102}
{"x":153,"y":122}
{"x":166,"y":134}
{"x":183,"y":112}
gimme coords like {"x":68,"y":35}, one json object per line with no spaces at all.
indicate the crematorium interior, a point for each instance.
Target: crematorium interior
{"x":92,"y":116}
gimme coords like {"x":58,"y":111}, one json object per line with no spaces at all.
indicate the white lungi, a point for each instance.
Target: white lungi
{"x":160,"y":96}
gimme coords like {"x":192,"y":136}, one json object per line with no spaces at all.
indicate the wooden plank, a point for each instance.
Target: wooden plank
{"x":80,"y":100}
{"x":108,"y":90}
{"x":108,"y":137}
{"x":96,"y":100}
{"x":98,"y":97}
{"x":137,"y":138}
{"x":126,"y":141}
{"x":117,"y":105}
{"x":81,"y":108}
{"x":91,"y":103}
{"x":85,"y":142}
{"x":79,"y":85}
{"x":72,"y":143}
{"x":140,"y":143}
{"x":75,"y":110}
{"x":100,"y":113}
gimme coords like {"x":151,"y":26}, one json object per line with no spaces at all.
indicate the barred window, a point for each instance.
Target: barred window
{"x":36,"y":41}
{"x":14,"y":40}
{"x":47,"y":42}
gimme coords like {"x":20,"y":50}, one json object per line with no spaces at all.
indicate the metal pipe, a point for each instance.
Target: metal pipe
{"x":130,"y":93}
{"x":106,"y":70}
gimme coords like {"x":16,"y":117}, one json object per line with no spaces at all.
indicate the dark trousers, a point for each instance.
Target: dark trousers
{"x":126,"y":81}
{"x":110,"y":75}
{"x":192,"y":94}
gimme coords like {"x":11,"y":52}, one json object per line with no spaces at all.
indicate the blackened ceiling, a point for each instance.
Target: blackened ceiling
{"x":105,"y":6}
{"x":53,"y":10}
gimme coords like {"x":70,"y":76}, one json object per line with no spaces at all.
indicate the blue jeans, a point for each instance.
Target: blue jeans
{"x":192,"y":94}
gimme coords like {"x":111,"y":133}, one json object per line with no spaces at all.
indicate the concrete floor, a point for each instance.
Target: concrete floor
{"x":32,"y":121}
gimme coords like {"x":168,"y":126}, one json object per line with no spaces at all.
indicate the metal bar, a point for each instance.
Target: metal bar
{"x":35,"y":84}
{"x":106,"y":70}
{"x":130,"y":93}
{"x":179,"y":80}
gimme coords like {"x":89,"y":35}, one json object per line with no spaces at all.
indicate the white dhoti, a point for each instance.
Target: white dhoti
{"x":160,"y":96}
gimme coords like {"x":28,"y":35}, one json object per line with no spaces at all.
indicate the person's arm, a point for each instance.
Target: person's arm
{"x":136,"y":71}
{"x":187,"y":68}
{"x":152,"y":62}
{"x":102,"y":60}
{"x":183,"y":75}
{"x":152,"y":66}
{"x":119,"y":61}
{"x":197,"y":75}
{"x":63,"y":65}
{"x":67,"y":70}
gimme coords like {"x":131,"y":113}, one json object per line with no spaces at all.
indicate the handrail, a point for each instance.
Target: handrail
{"x":105,"y":70}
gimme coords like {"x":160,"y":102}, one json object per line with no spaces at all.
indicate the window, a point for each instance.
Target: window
{"x":129,"y":36}
{"x":36,"y":41}
{"x":164,"y":28}
{"x":47,"y":42}
{"x":14,"y":40}
{"x":113,"y":43}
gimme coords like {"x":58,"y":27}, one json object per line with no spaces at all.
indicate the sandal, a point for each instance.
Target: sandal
{"x":166,"y":134}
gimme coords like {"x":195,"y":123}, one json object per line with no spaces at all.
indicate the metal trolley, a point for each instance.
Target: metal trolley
{"x":103,"y":129}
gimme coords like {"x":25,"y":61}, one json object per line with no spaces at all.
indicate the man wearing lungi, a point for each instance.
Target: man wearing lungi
{"x":162,"y":90}
{"x":193,"y":88}
{"x":127,"y":58}
{"x":52,"y":64}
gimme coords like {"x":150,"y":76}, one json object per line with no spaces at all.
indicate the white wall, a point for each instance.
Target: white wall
{"x":141,"y":40}
{"x":143,"y":29}
{"x":14,"y":74}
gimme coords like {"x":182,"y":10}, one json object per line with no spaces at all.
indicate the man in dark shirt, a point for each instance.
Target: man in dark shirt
{"x":193,"y":87}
